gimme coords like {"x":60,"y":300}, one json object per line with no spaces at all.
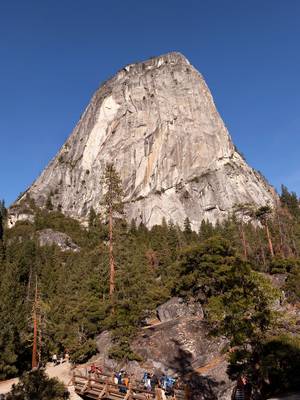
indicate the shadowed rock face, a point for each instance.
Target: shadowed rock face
{"x":183,"y":347}
{"x":156,"y":120}
{"x":180,"y":346}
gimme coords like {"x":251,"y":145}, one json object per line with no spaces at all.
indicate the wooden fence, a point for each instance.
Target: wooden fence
{"x":102,"y":386}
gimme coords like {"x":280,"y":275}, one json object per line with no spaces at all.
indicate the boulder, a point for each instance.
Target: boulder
{"x":49,"y":237}
{"x":176,"y":307}
{"x":104,"y":343}
{"x":183,"y":347}
{"x":179,"y":345}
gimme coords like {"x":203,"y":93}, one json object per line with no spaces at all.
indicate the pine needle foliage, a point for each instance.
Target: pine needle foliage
{"x":151,"y":265}
{"x":113,"y":192}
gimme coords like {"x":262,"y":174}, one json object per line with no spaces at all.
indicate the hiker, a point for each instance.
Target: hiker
{"x":154,"y":382}
{"x":54,"y":359}
{"x":116,"y":379}
{"x":163,"y":382}
{"x":67,"y":356}
{"x":93,"y":369}
{"x":145,"y":380}
{"x":148,"y":382}
{"x":126,"y":380}
{"x":98,"y":370}
{"x":170,"y":385}
{"x":242,"y":390}
{"x":122,"y":389}
{"x":119,"y":377}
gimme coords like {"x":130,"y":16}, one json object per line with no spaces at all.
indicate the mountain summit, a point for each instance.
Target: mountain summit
{"x":157,"y":121}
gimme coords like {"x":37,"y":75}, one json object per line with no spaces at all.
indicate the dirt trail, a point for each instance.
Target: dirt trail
{"x":5,"y":386}
{"x":62,"y":372}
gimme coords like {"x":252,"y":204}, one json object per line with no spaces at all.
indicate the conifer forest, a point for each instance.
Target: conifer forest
{"x":121,"y":271}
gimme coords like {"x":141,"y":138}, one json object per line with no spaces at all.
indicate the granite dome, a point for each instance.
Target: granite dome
{"x":157,"y":121}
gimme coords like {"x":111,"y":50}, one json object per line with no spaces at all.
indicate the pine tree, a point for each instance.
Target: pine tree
{"x":92,"y":218}
{"x":243,"y":210}
{"x":202,"y":268}
{"x":290,"y":200}
{"x":2,"y":218}
{"x":49,"y":205}
{"x":36,"y":328}
{"x":206,"y":230}
{"x":243,"y":313}
{"x":113,"y":208}
{"x":187,"y":229}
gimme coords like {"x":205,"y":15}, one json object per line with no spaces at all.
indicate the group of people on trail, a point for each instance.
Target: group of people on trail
{"x":165,"y":382}
{"x":164,"y":386}
{"x":122,"y":380}
{"x":149,"y":382}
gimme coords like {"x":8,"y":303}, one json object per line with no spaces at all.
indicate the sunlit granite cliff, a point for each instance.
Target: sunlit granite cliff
{"x":157,"y":121}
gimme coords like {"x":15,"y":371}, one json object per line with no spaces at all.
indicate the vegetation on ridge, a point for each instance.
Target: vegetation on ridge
{"x":224,"y":267}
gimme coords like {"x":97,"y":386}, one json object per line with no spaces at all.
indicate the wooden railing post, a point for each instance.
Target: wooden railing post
{"x":86,"y":386}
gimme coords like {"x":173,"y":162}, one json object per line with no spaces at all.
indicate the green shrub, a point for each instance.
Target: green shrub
{"x":35,"y":385}
{"x":83,"y":352}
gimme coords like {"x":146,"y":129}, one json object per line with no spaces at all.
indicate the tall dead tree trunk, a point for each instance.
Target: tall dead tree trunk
{"x":262,"y":215}
{"x":259,"y":247}
{"x":281,"y":236}
{"x":244,"y":242}
{"x":111,"y":257}
{"x":34,"y":361}
{"x":269,"y":240}
{"x":29,"y":284}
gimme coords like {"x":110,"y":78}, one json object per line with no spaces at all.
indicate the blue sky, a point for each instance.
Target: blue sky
{"x":54,"y":55}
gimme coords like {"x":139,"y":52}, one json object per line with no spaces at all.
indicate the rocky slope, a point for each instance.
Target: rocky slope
{"x":156,"y":120}
{"x":178,"y":344}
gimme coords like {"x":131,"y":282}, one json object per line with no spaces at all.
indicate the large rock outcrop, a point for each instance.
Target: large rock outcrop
{"x":156,"y":120}
{"x":180,"y":346}
{"x":176,"y":307}
{"x":49,"y":237}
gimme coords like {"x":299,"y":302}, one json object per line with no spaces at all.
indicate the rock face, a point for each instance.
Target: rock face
{"x":179,"y":346}
{"x":20,"y":212}
{"x":156,"y":120}
{"x":176,"y":307}
{"x":49,"y":237}
{"x":182,"y":347}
